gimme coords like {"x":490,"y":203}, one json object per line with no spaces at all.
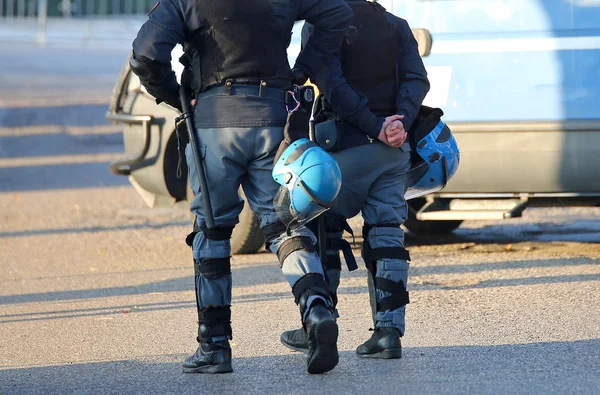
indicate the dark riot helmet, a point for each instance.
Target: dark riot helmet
{"x":435,"y":156}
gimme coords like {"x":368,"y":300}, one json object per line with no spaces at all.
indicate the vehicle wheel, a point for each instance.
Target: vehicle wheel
{"x":247,"y":237}
{"x":426,"y":227}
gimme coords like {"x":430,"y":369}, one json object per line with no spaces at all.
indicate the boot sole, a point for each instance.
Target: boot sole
{"x":299,"y":349}
{"x":394,"y":353}
{"x":325,"y":356}
{"x":210,"y":369}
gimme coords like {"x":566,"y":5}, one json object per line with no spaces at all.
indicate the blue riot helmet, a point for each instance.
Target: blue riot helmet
{"x":435,"y":154}
{"x":310,"y":181}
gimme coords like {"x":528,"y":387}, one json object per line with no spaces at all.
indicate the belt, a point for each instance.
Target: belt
{"x":231,"y":88}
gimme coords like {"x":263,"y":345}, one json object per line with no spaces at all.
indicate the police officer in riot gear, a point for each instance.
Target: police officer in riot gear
{"x":237,"y":67}
{"x":378,"y":72}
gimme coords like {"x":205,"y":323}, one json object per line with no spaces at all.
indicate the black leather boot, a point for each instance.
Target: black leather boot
{"x":318,"y":321}
{"x":212,"y":357}
{"x":322,"y":331}
{"x":384,"y":343}
{"x":296,"y":339}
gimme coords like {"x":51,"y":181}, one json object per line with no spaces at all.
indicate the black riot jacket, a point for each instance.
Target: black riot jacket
{"x":378,"y":72}
{"x":370,"y":56}
{"x":235,"y":39}
{"x":240,"y":43}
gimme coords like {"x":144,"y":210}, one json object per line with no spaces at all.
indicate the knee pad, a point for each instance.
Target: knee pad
{"x":212,"y":268}
{"x":372,"y":255}
{"x":297,"y":243}
{"x":218,"y":233}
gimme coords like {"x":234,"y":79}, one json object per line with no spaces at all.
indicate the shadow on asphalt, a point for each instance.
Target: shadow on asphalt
{"x":548,"y":367}
{"x":487,"y":235}
{"x":63,"y":115}
{"x":64,"y":176}
{"x":27,"y":146}
{"x":92,"y":229}
{"x":244,"y":276}
{"x":431,"y":286}
{"x":271,"y":274}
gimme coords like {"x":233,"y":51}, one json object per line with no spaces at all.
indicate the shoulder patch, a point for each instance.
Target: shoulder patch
{"x":153,"y":8}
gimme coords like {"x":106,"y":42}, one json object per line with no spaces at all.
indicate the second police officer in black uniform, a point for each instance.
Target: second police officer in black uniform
{"x":238,"y":68}
{"x":378,"y":72}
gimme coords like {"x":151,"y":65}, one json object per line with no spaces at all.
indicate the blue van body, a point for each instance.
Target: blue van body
{"x":511,"y":60}
{"x":519,"y":83}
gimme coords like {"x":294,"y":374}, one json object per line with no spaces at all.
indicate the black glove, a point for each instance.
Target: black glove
{"x":298,"y":76}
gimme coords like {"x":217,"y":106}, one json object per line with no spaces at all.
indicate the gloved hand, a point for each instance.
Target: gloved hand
{"x":298,"y":76}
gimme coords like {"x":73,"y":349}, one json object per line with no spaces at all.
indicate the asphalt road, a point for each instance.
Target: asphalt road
{"x":96,"y":292}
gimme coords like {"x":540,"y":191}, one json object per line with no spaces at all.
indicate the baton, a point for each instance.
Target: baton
{"x":187,"y":115}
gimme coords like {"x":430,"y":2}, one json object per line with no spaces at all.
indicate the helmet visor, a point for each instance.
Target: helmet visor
{"x":292,"y":218}
{"x":420,"y":181}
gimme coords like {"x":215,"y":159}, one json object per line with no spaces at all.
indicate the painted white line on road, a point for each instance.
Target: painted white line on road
{"x":58,"y":160}
{"x":543,"y":44}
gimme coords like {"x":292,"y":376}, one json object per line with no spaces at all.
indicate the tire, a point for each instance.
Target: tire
{"x":247,"y":236}
{"x":427,"y":227}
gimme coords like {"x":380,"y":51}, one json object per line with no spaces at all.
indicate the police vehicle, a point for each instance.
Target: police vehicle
{"x":518,"y":81}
